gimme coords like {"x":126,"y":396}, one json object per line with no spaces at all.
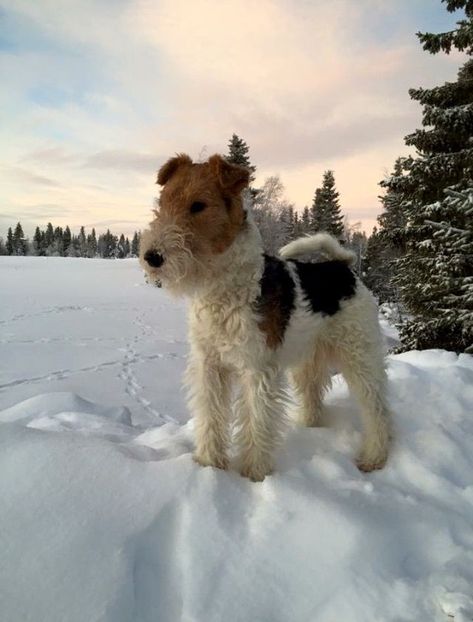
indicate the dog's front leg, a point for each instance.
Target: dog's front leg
{"x":209,"y":401}
{"x":260,"y":413}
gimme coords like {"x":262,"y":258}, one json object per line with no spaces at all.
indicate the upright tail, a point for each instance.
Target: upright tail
{"x":320,"y":242}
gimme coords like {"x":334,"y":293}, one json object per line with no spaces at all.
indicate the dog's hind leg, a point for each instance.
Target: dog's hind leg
{"x":362,"y":366}
{"x":209,"y":386}
{"x":311,"y":379}
{"x":260,"y":420}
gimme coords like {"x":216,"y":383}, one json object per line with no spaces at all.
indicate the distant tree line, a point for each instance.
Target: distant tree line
{"x":61,"y":242}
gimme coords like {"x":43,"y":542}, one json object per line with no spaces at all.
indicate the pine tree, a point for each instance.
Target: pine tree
{"x":9,"y":245}
{"x":325,"y":213}
{"x":305,"y":220}
{"x":317,"y":218}
{"x":377,"y":270}
{"x":442,"y":303}
{"x":127,"y":247}
{"x":37,"y":240}
{"x":92,"y":244}
{"x":82,"y":243}
{"x":66,"y":240}
{"x":135,"y":245}
{"x":121,"y":250}
{"x":58,"y":242}
{"x":3,"y":249}
{"x":19,"y":241}
{"x":388,"y":244}
{"x":297,"y":227}
{"x":107,"y":245}
{"x":238,"y":153}
{"x":436,"y":266}
{"x":49,"y":239}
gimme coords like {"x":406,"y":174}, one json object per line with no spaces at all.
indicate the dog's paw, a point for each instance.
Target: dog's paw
{"x":255,"y":473}
{"x":219,"y":462}
{"x":366,"y":464}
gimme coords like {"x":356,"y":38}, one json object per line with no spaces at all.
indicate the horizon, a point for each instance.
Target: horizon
{"x":309,"y":86}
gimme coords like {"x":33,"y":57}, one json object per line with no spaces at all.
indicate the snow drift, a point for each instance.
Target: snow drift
{"x":104,"y":516}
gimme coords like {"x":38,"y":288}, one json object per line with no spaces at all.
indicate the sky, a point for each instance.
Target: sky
{"x":97,"y":94}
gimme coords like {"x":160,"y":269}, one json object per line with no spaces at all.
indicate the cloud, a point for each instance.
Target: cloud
{"x":22,"y":175}
{"x":123,"y":161}
{"x":100,"y":93}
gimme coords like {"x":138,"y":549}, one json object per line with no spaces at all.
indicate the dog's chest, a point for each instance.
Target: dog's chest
{"x":232,"y":330}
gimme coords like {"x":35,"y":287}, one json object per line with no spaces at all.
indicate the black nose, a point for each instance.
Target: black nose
{"x":154,"y":259}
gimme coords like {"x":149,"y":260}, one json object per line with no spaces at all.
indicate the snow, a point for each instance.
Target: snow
{"x":105,"y":517}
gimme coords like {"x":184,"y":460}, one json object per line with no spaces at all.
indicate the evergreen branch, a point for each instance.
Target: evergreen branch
{"x":445,"y":225}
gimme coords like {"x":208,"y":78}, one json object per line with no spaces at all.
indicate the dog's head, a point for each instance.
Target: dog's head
{"x":199,"y":214}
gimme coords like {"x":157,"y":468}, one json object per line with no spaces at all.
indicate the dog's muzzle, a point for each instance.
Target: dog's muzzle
{"x":154,"y":259}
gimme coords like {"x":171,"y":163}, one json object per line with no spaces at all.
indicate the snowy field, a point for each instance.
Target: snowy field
{"x":105,"y":517}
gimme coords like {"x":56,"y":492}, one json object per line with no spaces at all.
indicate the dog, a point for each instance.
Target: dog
{"x":253,"y":317}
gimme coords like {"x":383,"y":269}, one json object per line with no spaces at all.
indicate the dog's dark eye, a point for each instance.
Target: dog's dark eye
{"x":197,"y":206}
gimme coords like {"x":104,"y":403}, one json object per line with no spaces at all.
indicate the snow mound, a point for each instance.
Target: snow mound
{"x":101,"y":520}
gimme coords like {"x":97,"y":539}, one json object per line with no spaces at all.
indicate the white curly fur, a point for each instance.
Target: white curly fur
{"x":227,"y":345}
{"x":320,"y":242}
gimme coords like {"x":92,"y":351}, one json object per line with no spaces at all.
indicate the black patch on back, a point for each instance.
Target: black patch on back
{"x":325,"y":284}
{"x":276,"y":300}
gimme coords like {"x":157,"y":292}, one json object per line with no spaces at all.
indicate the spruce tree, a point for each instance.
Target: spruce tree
{"x":434,"y":186}
{"x":325,"y":214}
{"x":82,"y":243}
{"x":317,"y":221}
{"x":9,"y":244}
{"x":121,"y":250}
{"x":58,"y":242}
{"x":135,"y":245}
{"x":305,"y":221}
{"x":238,"y":153}
{"x":388,"y":243}
{"x":37,"y":240}
{"x":92,"y":244}
{"x":49,"y":239}
{"x":19,"y":241}
{"x":66,"y":240}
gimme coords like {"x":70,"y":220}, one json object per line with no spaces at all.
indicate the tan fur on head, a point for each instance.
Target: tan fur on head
{"x":231,"y":176}
{"x":167,"y":170}
{"x":199,"y":216}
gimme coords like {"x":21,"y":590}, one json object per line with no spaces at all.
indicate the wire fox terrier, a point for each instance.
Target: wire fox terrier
{"x":253,"y":316}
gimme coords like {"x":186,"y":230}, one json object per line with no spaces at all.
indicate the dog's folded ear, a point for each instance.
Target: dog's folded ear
{"x":232,"y":177}
{"x":167,"y":170}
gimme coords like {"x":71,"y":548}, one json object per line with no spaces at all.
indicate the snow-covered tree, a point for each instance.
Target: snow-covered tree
{"x":388,"y":242}
{"x":19,"y":241}
{"x":121,"y":247}
{"x":135,"y":244}
{"x":92,"y":244}
{"x":9,"y":244}
{"x":436,"y":267}
{"x":38,"y":242}
{"x":66,"y":239}
{"x":3,"y":248}
{"x":356,"y":241}
{"x":82,"y":243}
{"x":270,"y":207}
{"x":305,"y":221}
{"x":325,"y":213}
{"x":107,"y":245}
{"x":439,"y":292}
